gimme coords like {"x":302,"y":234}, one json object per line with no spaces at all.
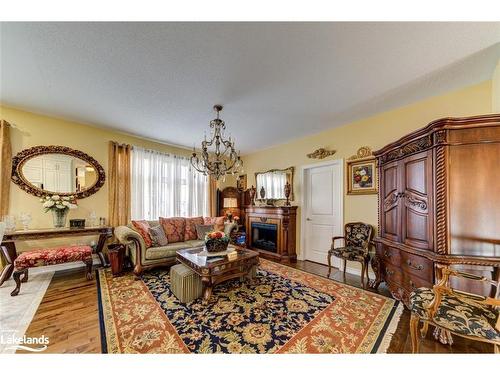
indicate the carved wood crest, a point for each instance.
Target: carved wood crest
{"x":364,"y":152}
{"x":321,"y":153}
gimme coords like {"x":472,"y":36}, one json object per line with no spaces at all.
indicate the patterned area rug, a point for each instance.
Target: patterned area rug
{"x":282,"y":310}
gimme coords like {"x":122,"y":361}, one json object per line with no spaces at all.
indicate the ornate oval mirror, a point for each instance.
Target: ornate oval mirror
{"x":44,"y":170}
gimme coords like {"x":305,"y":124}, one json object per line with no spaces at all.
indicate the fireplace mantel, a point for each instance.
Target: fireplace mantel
{"x":285,"y":220}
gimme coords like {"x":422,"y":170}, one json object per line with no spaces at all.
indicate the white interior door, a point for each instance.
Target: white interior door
{"x":323,"y":209}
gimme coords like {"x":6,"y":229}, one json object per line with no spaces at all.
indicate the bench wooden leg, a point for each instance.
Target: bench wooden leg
{"x":17,"y":278}
{"x":88,"y":269}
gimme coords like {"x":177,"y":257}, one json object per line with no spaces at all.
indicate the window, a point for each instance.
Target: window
{"x":165,"y":185}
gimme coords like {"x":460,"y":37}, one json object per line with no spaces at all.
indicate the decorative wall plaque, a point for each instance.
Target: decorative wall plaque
{"x":321,"y":153}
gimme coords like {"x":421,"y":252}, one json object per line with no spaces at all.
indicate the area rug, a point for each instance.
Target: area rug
{"x":282,"y":310}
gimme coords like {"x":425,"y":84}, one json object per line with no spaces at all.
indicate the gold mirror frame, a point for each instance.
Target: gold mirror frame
{"x":289,"y":170}
{"x":22,"y":157}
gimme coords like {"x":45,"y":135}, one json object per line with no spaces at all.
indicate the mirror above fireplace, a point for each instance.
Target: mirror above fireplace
{"x":270,"y":185}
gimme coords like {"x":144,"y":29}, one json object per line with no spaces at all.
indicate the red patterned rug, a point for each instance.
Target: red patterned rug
{"x":282,"y":310}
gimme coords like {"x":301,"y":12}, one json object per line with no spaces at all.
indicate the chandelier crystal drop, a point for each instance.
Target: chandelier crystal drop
{"x":223,"y":159}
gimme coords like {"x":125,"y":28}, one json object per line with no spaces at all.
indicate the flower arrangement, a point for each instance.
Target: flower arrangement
{"x":59,"y":205}
{"x":216,"y":241}
{"x":56,"y":202}
{"x":362,"y":176}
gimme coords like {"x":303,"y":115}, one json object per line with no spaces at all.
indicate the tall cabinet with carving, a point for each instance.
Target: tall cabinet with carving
{"x":438,"y":205}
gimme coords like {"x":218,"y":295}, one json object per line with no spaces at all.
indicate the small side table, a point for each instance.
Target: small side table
{"x":116,"y":254}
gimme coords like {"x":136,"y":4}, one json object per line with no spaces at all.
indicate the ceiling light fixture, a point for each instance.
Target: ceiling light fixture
{"x":221,"y":161}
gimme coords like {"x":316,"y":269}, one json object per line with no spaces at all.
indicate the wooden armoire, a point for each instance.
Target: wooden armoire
{"x":439,"y":203}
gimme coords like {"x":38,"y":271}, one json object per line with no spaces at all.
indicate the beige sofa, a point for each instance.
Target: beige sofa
{"x":145,"y":258}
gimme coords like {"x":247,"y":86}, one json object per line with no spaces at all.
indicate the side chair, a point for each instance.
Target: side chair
{"x":357,"y":241}
{"x":464,"y":314}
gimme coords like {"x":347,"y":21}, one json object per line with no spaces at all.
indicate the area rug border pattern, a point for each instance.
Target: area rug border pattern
{"x":109,"y":335}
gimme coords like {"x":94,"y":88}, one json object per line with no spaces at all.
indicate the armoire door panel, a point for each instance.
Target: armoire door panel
{"x":416,"y":226}
{"x":390,"y":217}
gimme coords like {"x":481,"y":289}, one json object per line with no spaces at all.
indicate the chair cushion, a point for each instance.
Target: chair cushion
{"x":168,"y":251}
{"x":190,"y":231}
{"x":350,"y":253}
{"x":456,"y":314}
{"x":174,"y":228}
{"x":57,"y":255}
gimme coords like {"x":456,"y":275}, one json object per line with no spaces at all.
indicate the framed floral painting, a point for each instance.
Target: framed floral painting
{"x":362,"y":176}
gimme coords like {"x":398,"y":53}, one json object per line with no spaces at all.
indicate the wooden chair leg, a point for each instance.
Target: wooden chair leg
{"x":88,"y":269}
{"x":329,"y":264}
{"x":367,"y":261}
{"x":414,"y":322}
{"x":423,"y":330}
{"x":345,"y":265}
{"x":363,"y":266}
{"x":17,"y":278}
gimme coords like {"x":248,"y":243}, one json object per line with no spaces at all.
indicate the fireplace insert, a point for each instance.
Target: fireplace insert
{"x":265,"y":236}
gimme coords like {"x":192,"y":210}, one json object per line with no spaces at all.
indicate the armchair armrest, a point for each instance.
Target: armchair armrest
{"x":443,"y":287}
{"x":130,"y":237}
{"x":336,"y":238}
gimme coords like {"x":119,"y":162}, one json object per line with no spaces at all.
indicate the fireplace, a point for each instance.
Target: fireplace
{"x":271,"y":231}
{"x":265,"y":236}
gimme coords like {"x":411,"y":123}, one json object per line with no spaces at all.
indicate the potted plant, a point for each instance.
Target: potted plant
{"x":216,"y":241}
{"x":59,"y":205}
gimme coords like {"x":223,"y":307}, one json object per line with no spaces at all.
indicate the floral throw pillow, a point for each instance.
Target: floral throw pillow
{"x":174,"y":228}
{"x":191,"y":223}
{"x":217,"y":222}
{"x":142,"y":226}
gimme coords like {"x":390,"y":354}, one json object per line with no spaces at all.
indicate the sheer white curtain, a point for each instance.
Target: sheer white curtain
{"x":165,"y":185}
{"x":274,"y":184}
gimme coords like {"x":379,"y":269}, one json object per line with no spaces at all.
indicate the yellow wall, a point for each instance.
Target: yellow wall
{"x":375,"y":131}
{"x":495,"y":89}
{"x":34,"y":129}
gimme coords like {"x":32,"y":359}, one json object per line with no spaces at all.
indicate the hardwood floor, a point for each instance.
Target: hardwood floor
{"x":68,"y":315}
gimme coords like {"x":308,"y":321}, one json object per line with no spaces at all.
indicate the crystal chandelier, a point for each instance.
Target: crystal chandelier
{"x":221,"y":161}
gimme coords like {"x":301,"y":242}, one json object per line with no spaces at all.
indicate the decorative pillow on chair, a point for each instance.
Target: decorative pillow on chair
{"x":174,"y":228}
{"x":158,"y":236}
{"x":142,"y":226}
{"x":191,"y":223}
{"x":201,"y":230}
{"x":218,"y":222}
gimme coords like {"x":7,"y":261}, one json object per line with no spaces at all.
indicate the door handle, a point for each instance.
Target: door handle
{"x":309,"y":219}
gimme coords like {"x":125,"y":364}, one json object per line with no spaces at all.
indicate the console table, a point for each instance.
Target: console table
{"x":8,"y":245}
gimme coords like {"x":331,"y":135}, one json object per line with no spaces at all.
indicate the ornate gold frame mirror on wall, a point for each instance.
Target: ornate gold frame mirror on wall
{"x":270,"y":185}
{"x":49,"y":170}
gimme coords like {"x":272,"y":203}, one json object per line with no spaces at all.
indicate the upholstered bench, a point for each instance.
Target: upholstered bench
{"x":47,"y":257}
{"x":185,"y":284}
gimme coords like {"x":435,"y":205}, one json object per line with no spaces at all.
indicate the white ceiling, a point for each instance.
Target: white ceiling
{"x":277,"y":81}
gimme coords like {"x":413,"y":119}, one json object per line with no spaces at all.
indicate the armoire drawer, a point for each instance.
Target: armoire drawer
{"x":418,"y":266}
{"x":390,"y":255}
{"x":411,"y":282}
{"x":393,"y":274}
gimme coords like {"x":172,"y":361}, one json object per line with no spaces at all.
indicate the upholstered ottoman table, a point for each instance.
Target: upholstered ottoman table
{"x":47,"y":257}
{"x":185,"y":283}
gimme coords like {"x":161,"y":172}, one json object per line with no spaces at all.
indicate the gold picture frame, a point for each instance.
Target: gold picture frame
{"x":241,"y":182}
{"x":362,"y":173}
